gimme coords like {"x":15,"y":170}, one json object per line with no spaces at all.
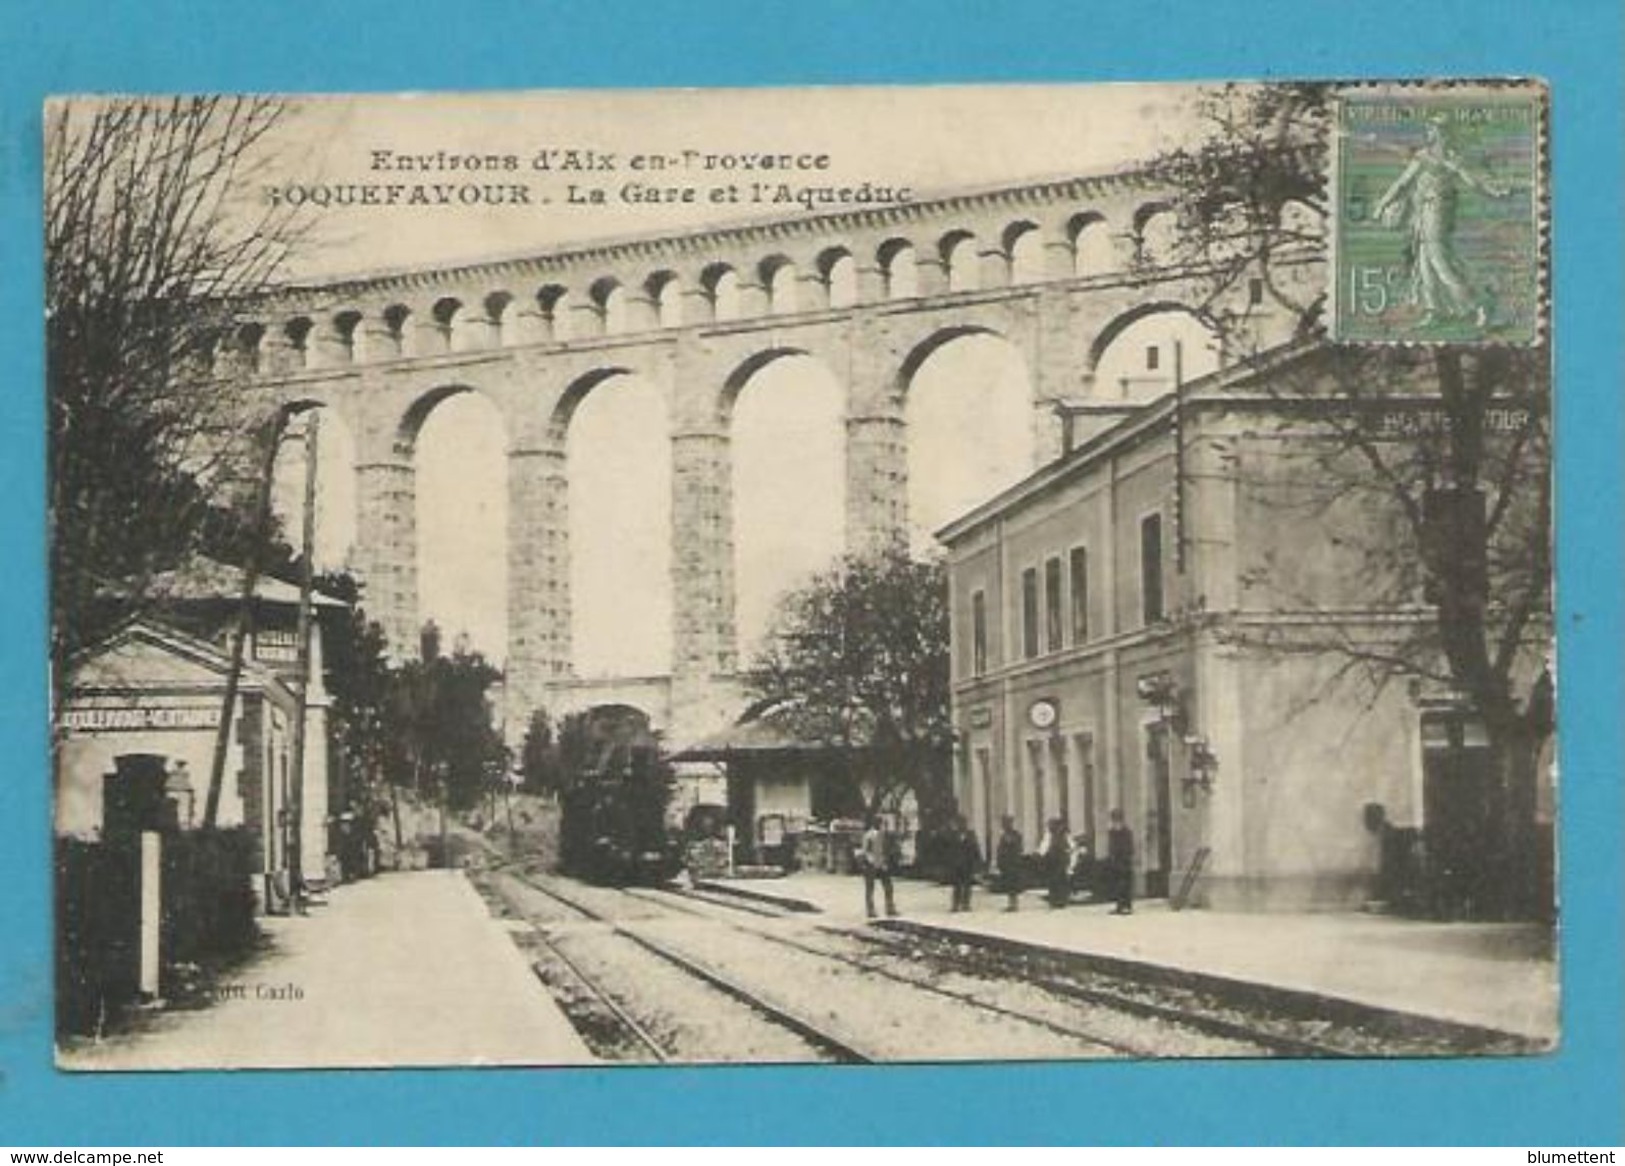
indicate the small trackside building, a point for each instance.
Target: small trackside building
{"x":1172,"y":619}
{"x":143,"y":710}
{"x":141,"y":717}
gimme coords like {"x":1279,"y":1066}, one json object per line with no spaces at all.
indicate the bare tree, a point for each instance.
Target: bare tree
{"x":153,"y":246}
{"x":1437,"y":460}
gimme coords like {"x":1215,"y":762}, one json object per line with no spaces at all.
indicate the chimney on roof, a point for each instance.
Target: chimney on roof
{"x":1068,"y":428}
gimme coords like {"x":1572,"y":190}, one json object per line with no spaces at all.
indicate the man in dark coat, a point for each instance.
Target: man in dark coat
{"x":1058,"y":863}
{"x":1008,"y":857}
{"x":964,"y":859}
{"x":1120,"y":864}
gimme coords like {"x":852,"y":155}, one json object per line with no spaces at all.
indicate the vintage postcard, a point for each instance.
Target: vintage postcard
{"x":821,"y":575}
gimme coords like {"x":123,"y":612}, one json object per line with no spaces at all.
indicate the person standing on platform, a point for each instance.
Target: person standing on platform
{"x":1008,"y":857}
{"x":1058,"y":864}
{"x":964,"y":859}
{"x":1120,"y":864}
{"x":875,"y":854}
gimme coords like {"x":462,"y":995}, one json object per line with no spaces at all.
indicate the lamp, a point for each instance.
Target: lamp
{"x":1204,"y":764}
{"x":1160,"y":690}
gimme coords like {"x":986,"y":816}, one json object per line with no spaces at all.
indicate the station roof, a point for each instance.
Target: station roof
{"x":1220,"y":385}
{"x":203,"y":579}
{"x":761,"y":736}
{"x":145,"y":655}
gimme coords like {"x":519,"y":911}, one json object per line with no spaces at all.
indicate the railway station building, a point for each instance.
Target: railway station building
{"x":1173,"y":619}
{"x":136,"y":735}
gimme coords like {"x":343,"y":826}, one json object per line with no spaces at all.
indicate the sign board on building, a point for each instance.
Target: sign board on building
{"x":101,"y":720}
{"x":278,"y":646}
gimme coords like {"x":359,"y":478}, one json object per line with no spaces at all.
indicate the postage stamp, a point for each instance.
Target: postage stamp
{"x":1437,"y":206}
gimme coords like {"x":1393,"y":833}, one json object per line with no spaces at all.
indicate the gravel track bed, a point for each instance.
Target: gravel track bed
{"x":889,"y":1020}
{"x":690,"y":1020}
{"x":953,"y":969}
{"x":605,"y":1032}
{"x":609,"y":902}
{"x":897,"y":997}
{"x":502,"y":887}
{"x":951,"y":972}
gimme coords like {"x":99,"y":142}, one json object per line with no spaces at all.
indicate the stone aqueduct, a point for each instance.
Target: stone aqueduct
{"x":1056,"y":268}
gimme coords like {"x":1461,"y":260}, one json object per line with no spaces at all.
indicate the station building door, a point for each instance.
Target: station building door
{"x":1158,"y":844}
{"x":982,"y":794}
{"x":1459,"y":810}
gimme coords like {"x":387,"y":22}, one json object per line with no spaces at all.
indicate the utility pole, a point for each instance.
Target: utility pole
{"x":307,"y":571}
{"x":1179,"y":459}
{"x":271,"y":435}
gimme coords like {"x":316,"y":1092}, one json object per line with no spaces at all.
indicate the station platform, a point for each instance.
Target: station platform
{"x":405,"y":969}
{"x":1498,"y":976}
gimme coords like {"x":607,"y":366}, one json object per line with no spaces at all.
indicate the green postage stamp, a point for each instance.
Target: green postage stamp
{"x":1438,"y":197}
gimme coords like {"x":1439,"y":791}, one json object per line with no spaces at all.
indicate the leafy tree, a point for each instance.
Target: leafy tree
{"x":857,"y":660}
{"x":539,"y":758}
{"x":358,"y":679}
{"x":1444,"y":451}
{"x":438,"y":709}
{"x":149,"y":252}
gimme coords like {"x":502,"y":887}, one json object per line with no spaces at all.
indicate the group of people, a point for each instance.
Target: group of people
{"x":965,"y":860}
{"x":1056,"y":860}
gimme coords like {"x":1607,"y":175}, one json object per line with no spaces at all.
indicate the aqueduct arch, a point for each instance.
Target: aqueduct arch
{"x":1053,"y":267}
{"x":973,"y":425}
{"x":785,"y":415}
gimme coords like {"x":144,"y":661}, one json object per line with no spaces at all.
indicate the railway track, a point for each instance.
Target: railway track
{"x":629,"y":1024}
{"x":1269,"y":1035}
{"x":916,"y":977}
{"x":1286,"y":1023}
{"x":834,"y":1046}
{"x":1093,"y":1007}
{"x":1265,"y":1042}
{"x":1087,"y":1008}
{"x":1120,"y":999}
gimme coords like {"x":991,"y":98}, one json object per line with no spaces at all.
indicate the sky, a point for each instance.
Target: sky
{"x":929,"y":138}
{"x":970,"y":425}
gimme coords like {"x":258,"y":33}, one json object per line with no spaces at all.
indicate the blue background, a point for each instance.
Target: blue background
{"x":1573,"y":1097}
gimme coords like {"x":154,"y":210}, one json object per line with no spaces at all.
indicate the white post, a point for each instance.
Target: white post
{"x":152,"y":908}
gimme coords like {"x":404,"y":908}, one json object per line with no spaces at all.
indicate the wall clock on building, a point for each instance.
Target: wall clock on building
{"x":1043,"y":713}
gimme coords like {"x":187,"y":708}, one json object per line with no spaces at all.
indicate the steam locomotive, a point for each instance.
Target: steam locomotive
{"x":612,"y":830}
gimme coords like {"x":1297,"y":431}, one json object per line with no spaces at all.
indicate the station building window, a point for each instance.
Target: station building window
{"x":1151,"y":568}
{"x":1029,"y":613}
{"x":1079,"y":570}
{"x":978,"y":634}
{"x":1052,"y":605}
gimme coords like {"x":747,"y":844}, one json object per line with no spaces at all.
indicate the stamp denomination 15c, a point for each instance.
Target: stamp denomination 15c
{"x":1438,"y":196}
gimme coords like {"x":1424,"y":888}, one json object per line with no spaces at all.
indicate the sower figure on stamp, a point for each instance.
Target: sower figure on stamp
{"x":964,"y":859}
{"x":1120,"y":864}
{"x":1422,"y":201}
{"x":875,"y":854}
{"x":1007,"y":856}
